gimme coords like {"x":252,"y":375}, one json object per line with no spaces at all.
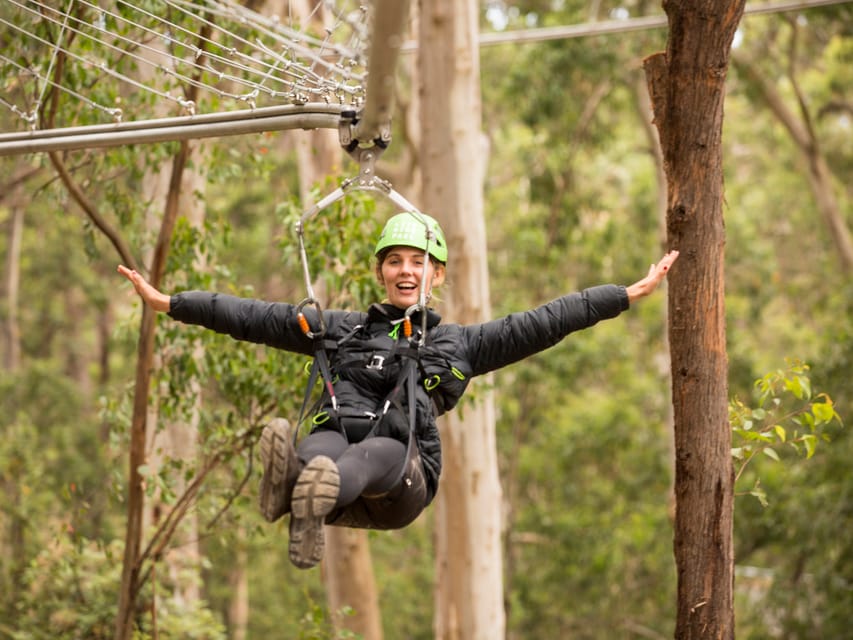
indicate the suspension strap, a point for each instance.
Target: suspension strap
{"x":320,"y":367}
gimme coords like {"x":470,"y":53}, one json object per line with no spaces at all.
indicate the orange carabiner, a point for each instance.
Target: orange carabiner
{"x":303,"y":321}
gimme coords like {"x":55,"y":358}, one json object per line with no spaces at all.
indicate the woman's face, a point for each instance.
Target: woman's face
{"x":400,"y":273}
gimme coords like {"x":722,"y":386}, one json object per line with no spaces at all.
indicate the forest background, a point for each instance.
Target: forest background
{"x":572,"y":200}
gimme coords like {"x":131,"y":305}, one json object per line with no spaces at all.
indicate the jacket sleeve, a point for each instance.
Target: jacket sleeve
{"x":501,"y":342}
{"x":271,"y":323}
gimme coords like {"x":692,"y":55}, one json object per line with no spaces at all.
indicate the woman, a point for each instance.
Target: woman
{"x":356,"y":467}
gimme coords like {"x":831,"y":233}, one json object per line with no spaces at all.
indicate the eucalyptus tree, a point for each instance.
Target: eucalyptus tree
{"x":469,"y":576}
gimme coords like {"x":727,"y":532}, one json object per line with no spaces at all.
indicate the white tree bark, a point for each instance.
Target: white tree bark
{"x":12,"y":281}
{"x":469,"y":589}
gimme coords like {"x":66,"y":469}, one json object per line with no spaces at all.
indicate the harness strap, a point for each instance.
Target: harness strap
{"x":407,"y":379}
{"x":320,"y":369}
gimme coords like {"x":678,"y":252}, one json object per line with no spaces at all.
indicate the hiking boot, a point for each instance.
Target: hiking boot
{"x":281,"y":469}
{"x":314,"y":497}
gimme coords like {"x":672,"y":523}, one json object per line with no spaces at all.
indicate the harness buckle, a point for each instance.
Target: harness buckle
{"x":376,"y":362}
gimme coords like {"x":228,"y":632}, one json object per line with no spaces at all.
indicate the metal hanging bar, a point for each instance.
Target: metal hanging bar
{"x":308,"y":116}
{"x":388,"y":23}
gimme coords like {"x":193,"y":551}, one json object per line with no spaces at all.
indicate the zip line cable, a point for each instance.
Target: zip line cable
{"x":607,"y":27}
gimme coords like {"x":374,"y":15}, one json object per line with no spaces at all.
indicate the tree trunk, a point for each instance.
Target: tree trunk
{"x":15,"y":538}
{"x":11,"y":328}
{"x":139,"y":420}
{"x":178,"y":439}
{"x":469,"y":589}
{"x":687,"y":86}
{"x":350,"y":582}
{"x":238,"y":583}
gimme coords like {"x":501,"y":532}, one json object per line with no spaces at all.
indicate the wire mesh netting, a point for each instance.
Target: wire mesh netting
{"x":80,"y":63}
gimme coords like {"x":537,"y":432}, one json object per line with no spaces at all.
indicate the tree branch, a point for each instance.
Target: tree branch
{"x":88,"y":207}
{"x":91,"y":211}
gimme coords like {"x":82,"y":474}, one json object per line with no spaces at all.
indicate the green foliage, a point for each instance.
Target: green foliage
{"x":316,"y":624}
{"x":69,"y":592}
{"x":339,"y":244}
{"x":787,"y":413}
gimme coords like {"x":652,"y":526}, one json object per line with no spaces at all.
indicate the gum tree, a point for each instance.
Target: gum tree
{"x":687,"y":86}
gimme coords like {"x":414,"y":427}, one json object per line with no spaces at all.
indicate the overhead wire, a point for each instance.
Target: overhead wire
{"x":47,"y":80}
{"x":626,"y":25}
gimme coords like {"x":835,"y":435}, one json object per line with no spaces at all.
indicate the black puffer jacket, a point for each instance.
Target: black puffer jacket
{"x":364,"y":360}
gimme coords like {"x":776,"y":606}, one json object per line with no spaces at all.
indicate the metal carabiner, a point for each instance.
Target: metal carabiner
{"x":303,"y":321}
{"x":407,"y":324}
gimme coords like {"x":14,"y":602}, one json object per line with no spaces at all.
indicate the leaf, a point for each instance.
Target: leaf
{"x":771,"y":453}
{"x":780,"y":431}
{"x":810,"y":441}
{"x":823,"y":412}
{"x":759,"y":493}
{"x":800,"y":386}
{"x":794,"y":387}
{"x":806,"y":385}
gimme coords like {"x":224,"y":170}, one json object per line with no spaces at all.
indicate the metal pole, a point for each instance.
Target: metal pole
{"x":310,"y":116}
{"x":386,"y":39}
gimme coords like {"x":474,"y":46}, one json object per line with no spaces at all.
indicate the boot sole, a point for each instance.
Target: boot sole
{"x":276,"y":455}
{"x":314,"y":497}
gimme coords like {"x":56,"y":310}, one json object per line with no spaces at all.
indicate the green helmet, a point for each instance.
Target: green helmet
{"x":409,"y":229}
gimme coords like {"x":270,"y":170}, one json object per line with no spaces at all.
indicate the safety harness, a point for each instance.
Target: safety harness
{"x":407,"y":349}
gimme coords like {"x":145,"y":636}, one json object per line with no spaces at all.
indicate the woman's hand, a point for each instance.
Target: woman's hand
{"x":657,"y":272}
{"x":150,"y":296}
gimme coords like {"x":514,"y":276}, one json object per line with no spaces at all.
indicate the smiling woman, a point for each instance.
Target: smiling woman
{"x":402,"y":266}
{"x":401,"y":271}
{"x":373,"y":456}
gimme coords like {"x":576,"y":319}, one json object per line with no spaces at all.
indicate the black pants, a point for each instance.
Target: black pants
{"x":380,"y":487}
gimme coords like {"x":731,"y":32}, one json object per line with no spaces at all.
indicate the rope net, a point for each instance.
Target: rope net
{"x":78,"y":63}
